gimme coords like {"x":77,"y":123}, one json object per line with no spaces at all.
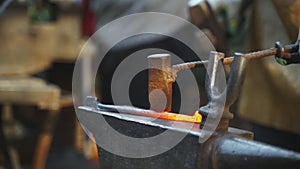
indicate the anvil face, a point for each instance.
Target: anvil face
{"x":183,"y":155}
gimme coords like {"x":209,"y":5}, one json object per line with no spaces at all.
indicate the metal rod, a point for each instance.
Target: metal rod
{"x":226,"y":61}
{"x":196,"y":118}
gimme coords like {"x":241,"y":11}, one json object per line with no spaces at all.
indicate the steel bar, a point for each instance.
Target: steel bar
{"x":196,"y":118}
{"x":90,"y":117}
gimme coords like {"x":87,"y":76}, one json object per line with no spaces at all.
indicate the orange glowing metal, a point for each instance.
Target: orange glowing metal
{"x":196,"y":118}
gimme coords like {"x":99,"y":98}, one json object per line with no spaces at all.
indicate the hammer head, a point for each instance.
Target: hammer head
{"x":160,"y":82}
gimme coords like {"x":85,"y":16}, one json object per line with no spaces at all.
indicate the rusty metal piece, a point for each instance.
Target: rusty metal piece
{"x":160,"y":82}
{"x":189,"y":65}
{"x":277,"y":50}
{"x":226,"y":61}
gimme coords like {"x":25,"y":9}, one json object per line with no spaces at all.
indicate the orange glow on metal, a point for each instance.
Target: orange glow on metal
{"x":196,"y":118}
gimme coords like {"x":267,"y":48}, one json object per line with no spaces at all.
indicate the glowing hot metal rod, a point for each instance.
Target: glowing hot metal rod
{"x":196,"y":118}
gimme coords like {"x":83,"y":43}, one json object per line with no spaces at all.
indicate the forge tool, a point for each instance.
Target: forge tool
{"x":224,"y":147}
{"x":162,"y":71}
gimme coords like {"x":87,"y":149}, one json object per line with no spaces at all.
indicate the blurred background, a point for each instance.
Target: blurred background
{"x":41,"y":39}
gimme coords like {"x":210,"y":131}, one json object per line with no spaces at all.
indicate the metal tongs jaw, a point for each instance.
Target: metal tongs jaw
{"x":219,"y":93}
